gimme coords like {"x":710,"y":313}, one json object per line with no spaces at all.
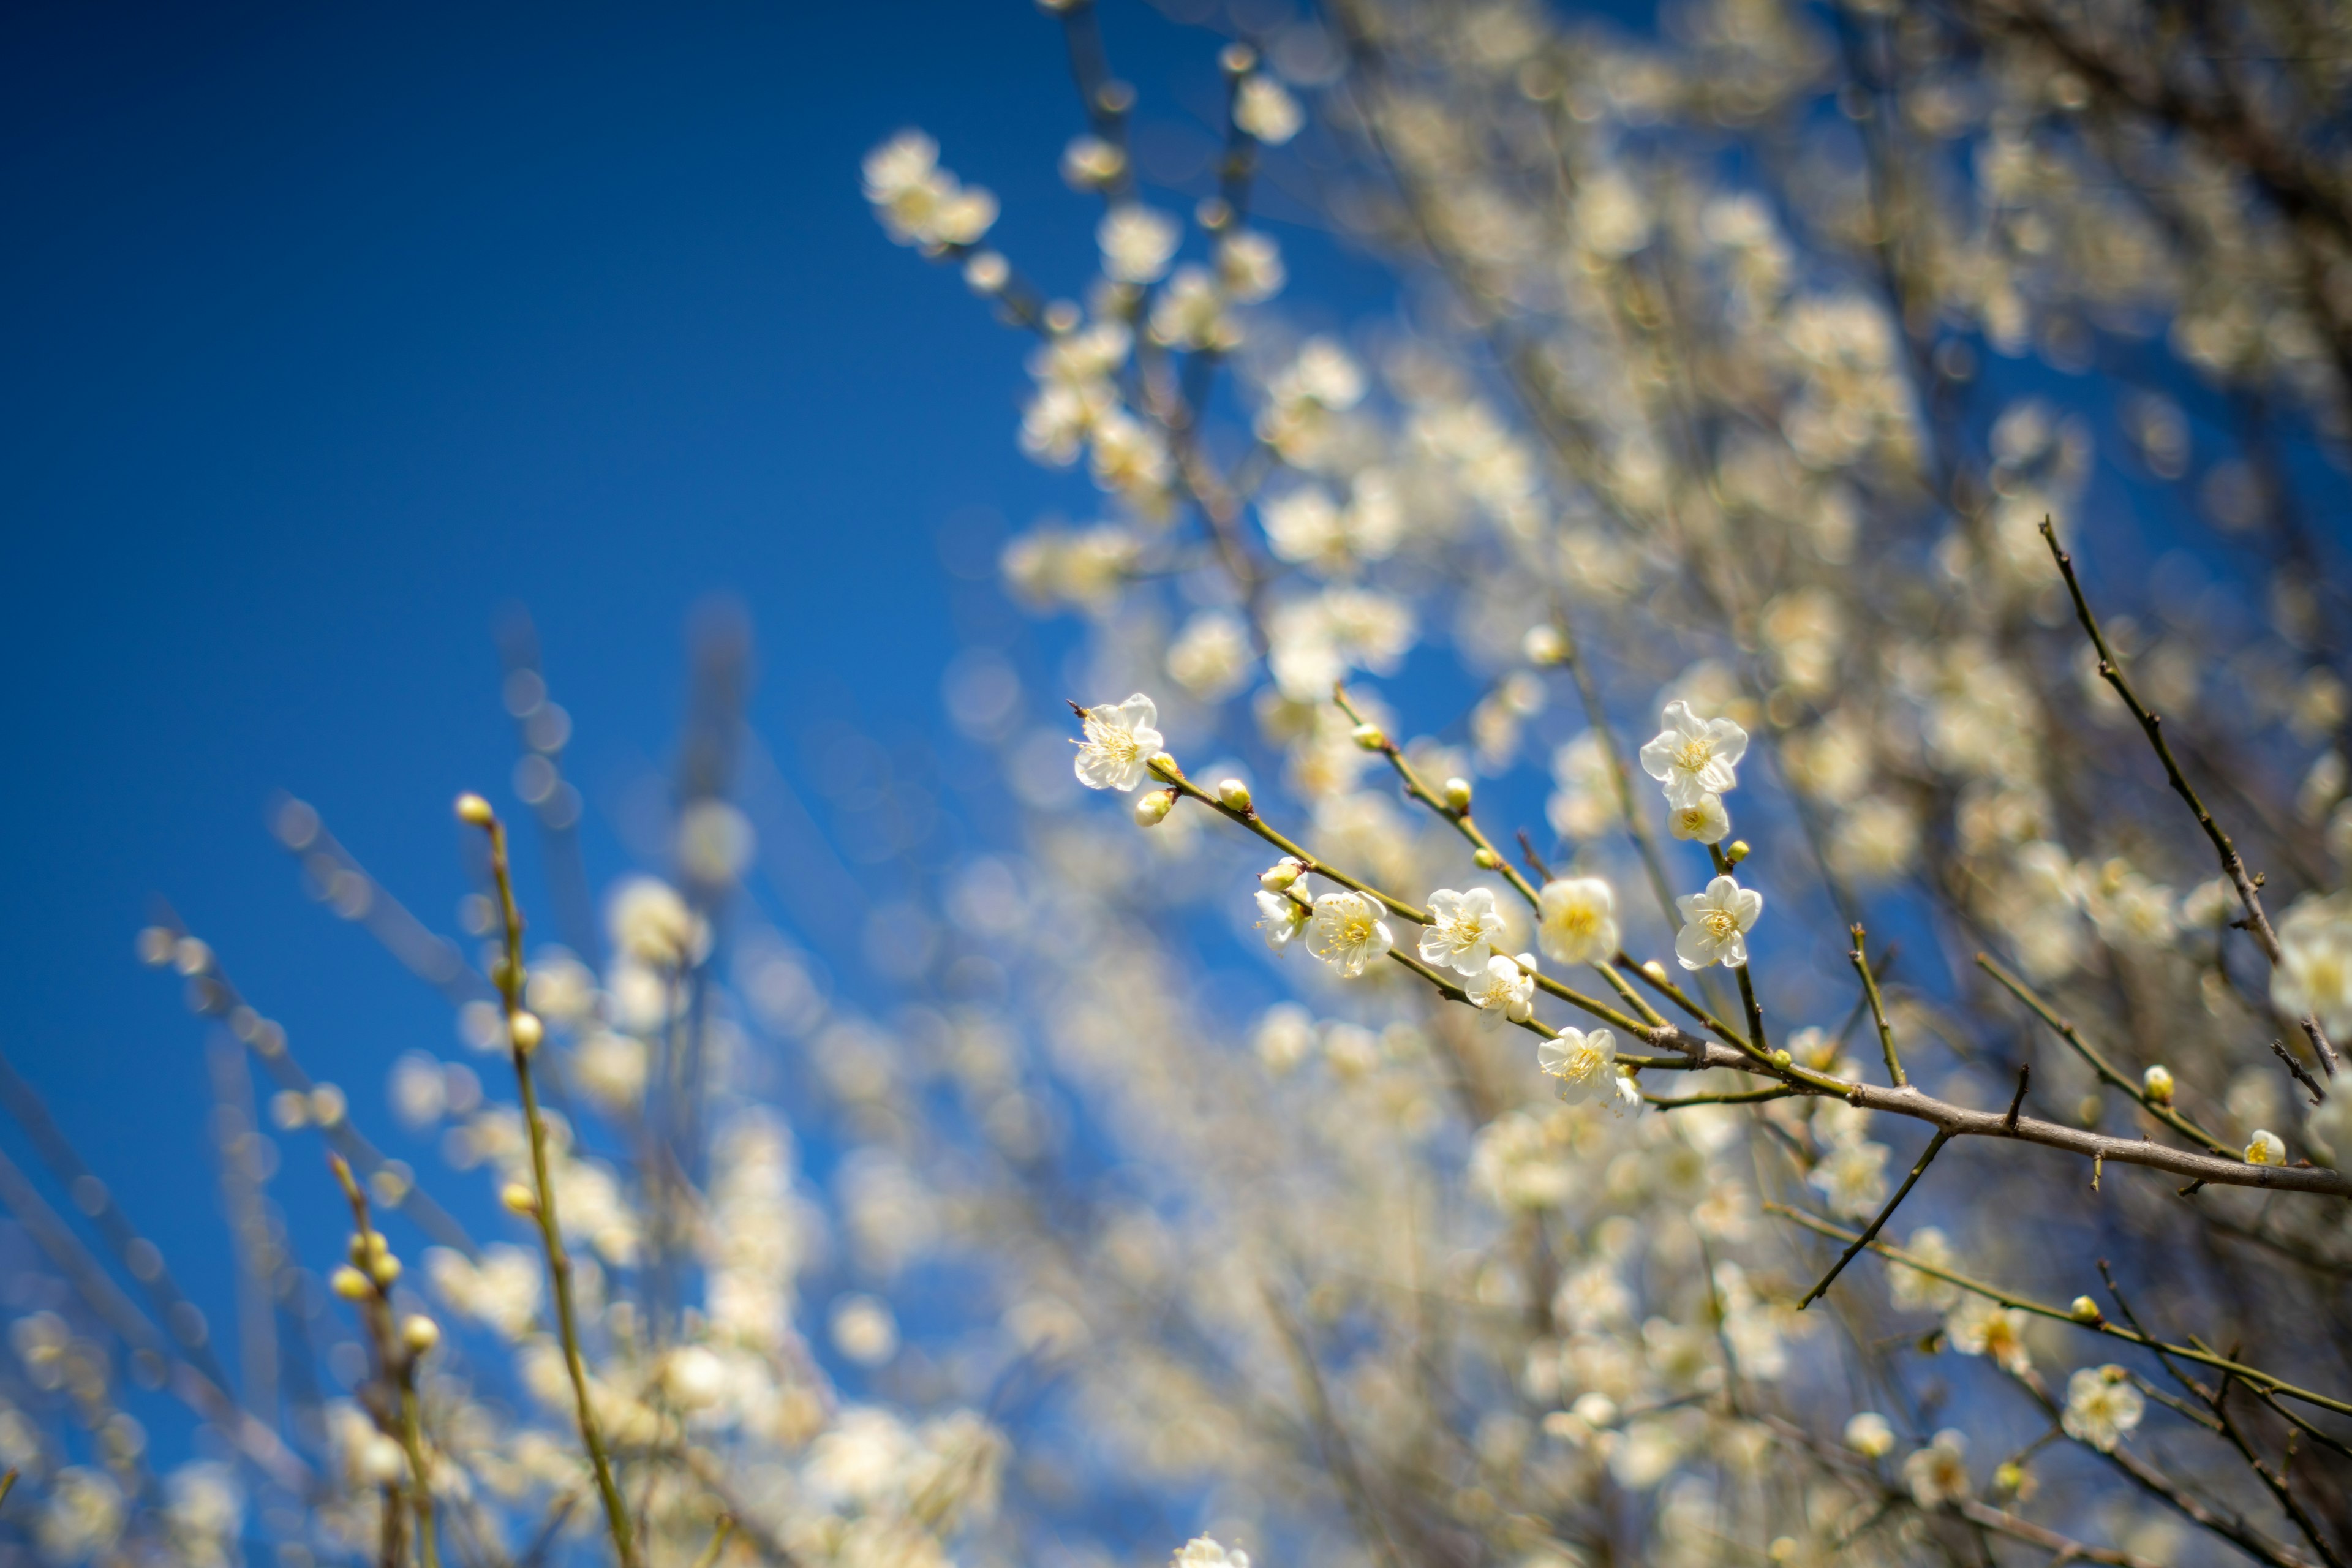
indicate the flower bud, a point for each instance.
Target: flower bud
{"x":1369,"y":737}
{"x":2007,"y":1476}
{"x":1278,"y":878}
{"x":2158,"y":1081}
{"x":349,"y":1284}
{"x":1544,"y":644}
{"x":1235,"y":793}
{"x":472,"y":808}
{"x":1487,"y":860}
{"x":526,"y":1031}
{"x":2082,"y":1309}
{"x":1736,"y":851}
{"x":1457,"y":794}
{"x":420,"y":1333}
{"x":2266,"y":1148}
{"x":1654,"y":970}
{"x":1780,"y":1057}
{"x":519,"y":1199}
{"x":1165,"y":764}
{"x":386,"y":1268}
{"x":1152,"y":808}
{"x":1237,"y":59}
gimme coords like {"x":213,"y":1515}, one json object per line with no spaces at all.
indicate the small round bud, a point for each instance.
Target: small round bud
{"x":2158,"y":1081}
{"x":1780,"y":1057}
{"x":1487,"y":860}
{"x":1165,"y":764}
{"x":351,"y":1284}
{"x":1457,"y":794}
{"x":1654,"y":970}
{"x":1369,"y":737}
{"x":526,"y":1031}
{"x":1544,"y":644}
{"x":419,"y":1333}
{"x":2082,"y":1309}
{"x":2007,"y":1476}
{"x":386,"y":1269}
{"x":519,"y":1199}
{"x":1152,"y":808}
{"x":472,"y":808}
{"x":1736,"y":851}
{"x":1237,"y":59}
{"x":1235,"y":793}
{"x":1279,"y":876}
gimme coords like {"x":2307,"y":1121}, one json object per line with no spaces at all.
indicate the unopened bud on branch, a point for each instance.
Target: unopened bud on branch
{"x":420,"y":1333}
{"x":1278,"y":878}
{"x":1235,"y":793}
{"x":1545,"y":646}
{"x":518,"y":1198}
{"x":2158,"y":1081}
{"x":1152,"y":808}
{"x":1457,"y":794}
{"x":1736,"y":852}
{"x":472,"y":808}
{"x":349,"y":1284}
{"x":526,"y":1031}
{"x":2082,"y":1309}
{"x":1369,"y":737}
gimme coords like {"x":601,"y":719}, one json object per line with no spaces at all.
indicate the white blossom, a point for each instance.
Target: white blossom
{"x":1938,"y":1473}
{"x":1200,"y":1551}
{"x":2265,"y":1148}
{"x":1463,"y":931}
{"x":1348,"y":933}
{"x":1505,"y":988}
{"x":1694,"y":757}
{"x":2102,"y":1406}
{"x":1136,"y":243}
{"x":1119,"y":743}
{"x":1715,"y":924}
{"x":1852,"y":1178}
{"x":2315,"y":969}
{"x":1980,"y":1327}
{"x":1281,"y":918}
{"x":1576,"y":921}
{"x":1585,"y":1063}
{"x":1867,"y":1433}
{"x":1264,"y":108}
{"x":1705,"y":822}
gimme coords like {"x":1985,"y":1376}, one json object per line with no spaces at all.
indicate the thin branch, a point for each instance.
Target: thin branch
{"x":1877,"y":1010}
{"x":1935,"y":1147}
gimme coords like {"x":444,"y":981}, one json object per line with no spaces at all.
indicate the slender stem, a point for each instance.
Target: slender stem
{"x":2099,"y":1063}
{"x":1489,"y":857}
{"x":1597,"y":718}
{"x":1935,"y":1147}
{"x":718,"y":1536}
{"x":1739,"y":1097}
{"x":397,"y":1362}
{"x":559,"y":1262}
{"x":2111,"y":669}
{"x":2254,"y":1377}
{"x":1877,"y":1010}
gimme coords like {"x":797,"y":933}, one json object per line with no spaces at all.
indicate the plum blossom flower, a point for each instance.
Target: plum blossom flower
{"x":1264,"y":108}
{"x":1938,"y":1473}
{"x":1692,"y":757}
{"x":2315,"y":969}
{"x":1347,"y":934}
{"x":1463,"y":931}
{"x":1576,"y":921}
{"x":1869,"y":1435}
{"x":1853,"y":1177}
{"x":2265,"y":1148}
{"x":1281,"y":918}
{"x":1978,"y":1326}
{"x":1584,"y":1063}
{"x":1119,"y":743}
{"x":2102,"y":1405}
{"x":1715,"y":924}
{"x":1505,"y":988}
{"x":1200,"y":1551}
{"x":1136,"y":243}
{"x":919,"y":203}
{"x":1704,"y":823}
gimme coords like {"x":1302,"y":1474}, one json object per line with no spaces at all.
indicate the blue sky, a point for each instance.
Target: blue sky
{"x":331,"y":334}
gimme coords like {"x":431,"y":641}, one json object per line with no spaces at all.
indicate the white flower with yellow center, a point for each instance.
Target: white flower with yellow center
{"x":1692,"y":757}
{"x":1507,"y":989}
{"x":1119,"y":743}
{"x":1978,"y":1326}
{"x":1704,"y":823}
{"x":2101,"y":1406}
{"x":1347,"y":934}
{"x":1852,"y":1178}
{"x":1938,"y":1473}
{"x":2315,"y":969}
{"x":1281,"y":918}
{"x":1136,"y":243}
{"x":2265,"y":1148}
{"x":1463,"y":931}
{"x":1576,"y":921}
{"x":1585,"y":1064}
{"x":1715,"y":924}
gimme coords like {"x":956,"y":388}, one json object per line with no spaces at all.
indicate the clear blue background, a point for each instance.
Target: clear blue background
{"x":330,"y":333}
